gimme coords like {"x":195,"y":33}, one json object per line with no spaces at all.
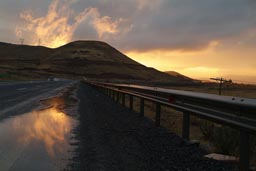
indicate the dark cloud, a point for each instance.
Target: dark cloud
{"x":85,"y":32}
{"x":164,"y":24}
{"x":190,"y":25}
{"x":5,"y":35}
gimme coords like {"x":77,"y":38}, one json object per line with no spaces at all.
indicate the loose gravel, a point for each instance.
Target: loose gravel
{"x":114,"y":138}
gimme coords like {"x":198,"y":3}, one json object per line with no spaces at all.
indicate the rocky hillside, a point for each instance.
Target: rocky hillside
{"x":80,"y":59}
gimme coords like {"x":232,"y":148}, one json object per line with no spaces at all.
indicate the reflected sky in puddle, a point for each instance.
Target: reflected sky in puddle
{"x":36,"y":141}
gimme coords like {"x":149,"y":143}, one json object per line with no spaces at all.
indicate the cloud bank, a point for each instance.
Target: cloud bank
{"x":139,"y":25}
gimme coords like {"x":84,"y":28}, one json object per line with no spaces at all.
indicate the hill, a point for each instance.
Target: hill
{"x":176,"y":74}
{"x":80,"y":59}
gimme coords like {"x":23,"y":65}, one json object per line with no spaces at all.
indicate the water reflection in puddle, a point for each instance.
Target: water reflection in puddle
{"x":36,"y":141}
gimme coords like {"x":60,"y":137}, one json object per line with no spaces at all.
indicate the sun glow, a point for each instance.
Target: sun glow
{"x":201,"y":72}
{"x":180,"y":61}
{"x":203,"y":64}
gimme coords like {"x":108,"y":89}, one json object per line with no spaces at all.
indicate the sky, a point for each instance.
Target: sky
{"x":199,"y":38}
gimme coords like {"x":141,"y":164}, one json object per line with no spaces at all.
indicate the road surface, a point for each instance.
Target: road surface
{"x":33,"y":139}
{"x":20,"y":97}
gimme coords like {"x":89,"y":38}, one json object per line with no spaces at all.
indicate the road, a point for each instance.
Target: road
{"x":33,"y":139}
{"x":21,"y":97}
{"x":108,"y":136}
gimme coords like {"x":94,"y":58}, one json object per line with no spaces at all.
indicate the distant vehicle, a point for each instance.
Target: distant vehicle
{"x":51,"y":78}
{"x":56,"y":79}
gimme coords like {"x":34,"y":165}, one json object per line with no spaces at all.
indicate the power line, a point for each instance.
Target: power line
{"x":221,"y":81}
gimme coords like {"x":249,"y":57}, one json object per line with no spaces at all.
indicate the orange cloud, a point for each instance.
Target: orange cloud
{"x":105,"y":25}
{"x":54,"y":29}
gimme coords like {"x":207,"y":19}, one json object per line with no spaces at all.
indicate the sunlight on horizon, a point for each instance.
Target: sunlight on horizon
{"x":185,"y":63}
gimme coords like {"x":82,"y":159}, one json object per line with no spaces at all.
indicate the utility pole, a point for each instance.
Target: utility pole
{"x":21,"y":41}
{"x":39,"y":42}
{"x":221,"y":82}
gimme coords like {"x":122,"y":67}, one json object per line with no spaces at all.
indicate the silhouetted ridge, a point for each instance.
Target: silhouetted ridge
{"x":90,"y":59}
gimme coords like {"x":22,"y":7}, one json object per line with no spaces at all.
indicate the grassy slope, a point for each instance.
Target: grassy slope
{"x":91,"y":59}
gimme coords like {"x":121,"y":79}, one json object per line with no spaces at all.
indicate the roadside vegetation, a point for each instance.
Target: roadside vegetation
{"x":213,"y":137}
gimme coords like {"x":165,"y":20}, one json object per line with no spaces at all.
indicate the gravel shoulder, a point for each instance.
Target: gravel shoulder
{"x":114,"y":138}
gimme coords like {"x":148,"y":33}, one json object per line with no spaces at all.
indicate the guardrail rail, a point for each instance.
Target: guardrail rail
{"x":236,"y":112}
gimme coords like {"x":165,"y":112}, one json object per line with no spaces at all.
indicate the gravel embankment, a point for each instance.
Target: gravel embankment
{"x":114,"y":138}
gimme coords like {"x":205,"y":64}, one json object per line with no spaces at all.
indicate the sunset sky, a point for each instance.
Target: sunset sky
{"x":198,"y":38}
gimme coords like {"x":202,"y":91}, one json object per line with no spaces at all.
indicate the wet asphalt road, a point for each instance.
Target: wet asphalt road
{"x":33,"y":139}
{"x":21,"y":97}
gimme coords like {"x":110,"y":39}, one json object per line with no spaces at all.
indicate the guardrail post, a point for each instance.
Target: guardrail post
{"x":142,"y":107}
{"x":114,"y":97}
{"x":186,"y":126}
{"x":244,"y":160}
{"x":131,"y":102}
{"x":123,"y":99}
{"x":117,"y":98}
{"x":112,"y":94}
{"x":158,"y":114}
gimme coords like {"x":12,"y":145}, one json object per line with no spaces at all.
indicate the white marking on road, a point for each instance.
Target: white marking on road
{"x":44,"y":95}
{"x":21,"y":89}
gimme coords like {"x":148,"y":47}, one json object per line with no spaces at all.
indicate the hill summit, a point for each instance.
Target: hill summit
{"x":79,"y":59}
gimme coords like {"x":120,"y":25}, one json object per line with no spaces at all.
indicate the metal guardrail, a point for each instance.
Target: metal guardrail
{"x":239,"y":113}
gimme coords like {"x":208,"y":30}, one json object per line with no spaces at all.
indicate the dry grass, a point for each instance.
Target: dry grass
{"x":239,"y":90}
{"x":212,"y":137}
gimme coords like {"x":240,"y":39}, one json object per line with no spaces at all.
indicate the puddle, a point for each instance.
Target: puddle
{"x":37,"y":140}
